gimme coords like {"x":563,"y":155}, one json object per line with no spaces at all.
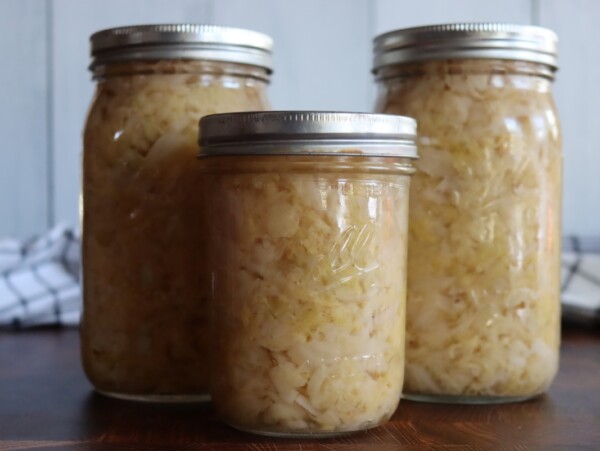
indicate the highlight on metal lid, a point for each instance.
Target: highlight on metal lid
{"x":182,"y":41}
{"x":484,"y":40}
{"x":308,"y":133}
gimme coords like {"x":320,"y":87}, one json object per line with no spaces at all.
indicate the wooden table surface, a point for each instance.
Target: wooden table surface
{"x":46,"y":403}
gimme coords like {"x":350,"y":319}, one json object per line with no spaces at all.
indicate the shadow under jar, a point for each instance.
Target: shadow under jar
{"x":308,"y":255}
{"x":483,"y":309}
{"x":144,"y":327}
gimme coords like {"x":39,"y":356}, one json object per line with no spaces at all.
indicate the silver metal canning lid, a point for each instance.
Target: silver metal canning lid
{"x":308,"y":133}
{"x":182,"y":41}
{"x":466,"y":40}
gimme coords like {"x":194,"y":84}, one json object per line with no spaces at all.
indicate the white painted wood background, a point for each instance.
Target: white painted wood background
{"x":322,"y":61}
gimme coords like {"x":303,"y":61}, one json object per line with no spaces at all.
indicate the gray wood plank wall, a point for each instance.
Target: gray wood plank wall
{"x":322,"y":61}
{"x":25,"y":200}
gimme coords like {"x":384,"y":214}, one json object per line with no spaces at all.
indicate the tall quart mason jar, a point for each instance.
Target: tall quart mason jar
{"x":144,"y":326}
{"x":483,"y":311}
{"x":308,"y":217}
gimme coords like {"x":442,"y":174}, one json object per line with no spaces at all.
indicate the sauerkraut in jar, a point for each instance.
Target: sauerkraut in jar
{"x":144,"y":329}
{"x":308,"y":256}
{"x":483,"y":309}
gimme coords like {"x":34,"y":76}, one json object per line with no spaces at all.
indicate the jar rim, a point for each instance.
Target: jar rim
{"x":181,"y":41}
{"x":485,"y":40}
{"x":308,"y":133}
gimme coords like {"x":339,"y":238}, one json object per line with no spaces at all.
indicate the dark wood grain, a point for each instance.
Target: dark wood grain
{"x":46,"y":403}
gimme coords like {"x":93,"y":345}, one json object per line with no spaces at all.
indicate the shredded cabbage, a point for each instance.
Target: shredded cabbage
{"x":309,"y":290}
{"x":483,"y":280}
{"x":145,"y":321}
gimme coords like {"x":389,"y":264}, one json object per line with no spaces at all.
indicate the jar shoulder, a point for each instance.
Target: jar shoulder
{"x":459,"y":109}
{"x":146,"y":107}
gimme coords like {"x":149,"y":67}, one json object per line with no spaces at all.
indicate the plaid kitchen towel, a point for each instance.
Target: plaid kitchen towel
{"x":580,"y":297}
{"x":39,"y":280}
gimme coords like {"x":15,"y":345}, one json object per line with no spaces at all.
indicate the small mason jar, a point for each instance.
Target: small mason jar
{"x":144,"y":326}
{"x":308,"y":214}
{"x":483,"y":311}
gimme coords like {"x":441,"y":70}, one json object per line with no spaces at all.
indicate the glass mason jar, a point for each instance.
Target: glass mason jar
{"x":308,"y":217}
{"x":144,"y":326}
{"x":483,"y":310}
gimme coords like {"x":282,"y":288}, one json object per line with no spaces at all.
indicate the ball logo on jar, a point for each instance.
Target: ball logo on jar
{"x":349,"y":257}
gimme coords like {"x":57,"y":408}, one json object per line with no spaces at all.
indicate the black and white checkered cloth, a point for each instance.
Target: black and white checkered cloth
{"x":40,"y":280}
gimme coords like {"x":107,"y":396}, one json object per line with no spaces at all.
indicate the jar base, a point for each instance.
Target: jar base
{"x":462,"y":399}
{"x":156,"y":398}
{"x":301,"y":435}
